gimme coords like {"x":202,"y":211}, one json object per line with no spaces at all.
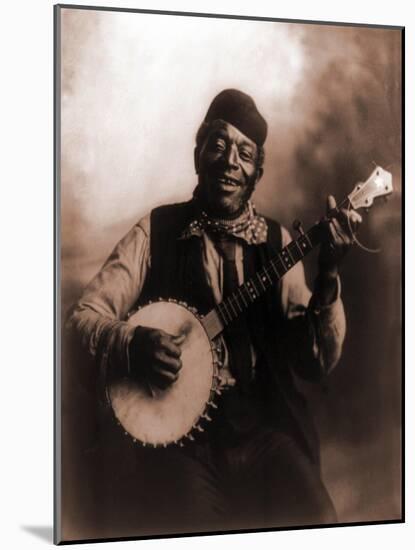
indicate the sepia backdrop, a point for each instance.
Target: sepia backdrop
{"x":134,"y":89}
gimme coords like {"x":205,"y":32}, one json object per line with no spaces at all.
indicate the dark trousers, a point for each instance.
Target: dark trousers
{"x":242,"y":473}
{"x":267,"y":481}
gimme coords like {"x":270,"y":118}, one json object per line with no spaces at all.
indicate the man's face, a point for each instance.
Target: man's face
{"x":226,"y":164}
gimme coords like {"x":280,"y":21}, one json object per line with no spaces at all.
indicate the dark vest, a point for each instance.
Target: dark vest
{"x":177,"y":272}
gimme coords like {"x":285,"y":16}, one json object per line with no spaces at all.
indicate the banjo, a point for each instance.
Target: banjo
{"x":161,"y":417}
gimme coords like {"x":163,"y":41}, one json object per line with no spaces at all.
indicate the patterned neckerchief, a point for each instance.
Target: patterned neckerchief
{"x":249,"y":226}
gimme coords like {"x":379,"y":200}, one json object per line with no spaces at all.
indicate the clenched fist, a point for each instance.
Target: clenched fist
{"x":155,"y":356}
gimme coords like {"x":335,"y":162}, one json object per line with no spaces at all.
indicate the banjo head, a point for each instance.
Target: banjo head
{"x":161,"y":417}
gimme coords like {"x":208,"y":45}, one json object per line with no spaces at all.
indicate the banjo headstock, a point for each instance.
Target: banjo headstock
{"x":378,"y":184}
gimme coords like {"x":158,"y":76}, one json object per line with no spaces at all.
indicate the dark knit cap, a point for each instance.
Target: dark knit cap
{"x":239,"y":109}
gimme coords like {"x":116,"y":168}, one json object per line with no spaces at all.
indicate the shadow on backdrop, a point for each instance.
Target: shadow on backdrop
{"x":43,"y":532}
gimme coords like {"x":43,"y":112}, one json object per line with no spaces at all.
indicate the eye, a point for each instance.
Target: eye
{"x":219,"y":144}
{"x":246,"y":154}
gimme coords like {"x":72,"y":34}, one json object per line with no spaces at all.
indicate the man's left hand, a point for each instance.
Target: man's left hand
{"x":340,"y":230}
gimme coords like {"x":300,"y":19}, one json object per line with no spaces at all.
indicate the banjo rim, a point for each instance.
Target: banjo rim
{"x":209,"y":404}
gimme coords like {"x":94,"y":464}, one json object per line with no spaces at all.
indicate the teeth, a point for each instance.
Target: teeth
{"x":227,"y":181}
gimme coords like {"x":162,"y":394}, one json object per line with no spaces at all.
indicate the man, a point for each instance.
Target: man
{"x":257,"y":464}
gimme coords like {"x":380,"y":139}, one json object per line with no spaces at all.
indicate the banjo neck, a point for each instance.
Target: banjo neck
{"x":378,"y":184}
{"x":234,"y":305}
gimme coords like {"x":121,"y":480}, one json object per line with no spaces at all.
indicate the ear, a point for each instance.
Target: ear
{"x":196,"y":159}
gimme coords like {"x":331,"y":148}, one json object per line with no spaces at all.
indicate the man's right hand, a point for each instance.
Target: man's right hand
{"x":155,"y":356}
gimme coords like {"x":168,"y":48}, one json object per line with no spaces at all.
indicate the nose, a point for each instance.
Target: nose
{"x":232,"y":157}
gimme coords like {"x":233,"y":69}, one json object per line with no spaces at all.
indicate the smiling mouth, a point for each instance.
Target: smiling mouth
{"x":226,"y":183}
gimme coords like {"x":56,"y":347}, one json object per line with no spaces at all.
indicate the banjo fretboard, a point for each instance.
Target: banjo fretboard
{"x":235,"y":304}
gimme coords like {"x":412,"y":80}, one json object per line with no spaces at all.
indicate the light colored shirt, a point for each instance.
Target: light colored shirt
{"x":100,"y":316}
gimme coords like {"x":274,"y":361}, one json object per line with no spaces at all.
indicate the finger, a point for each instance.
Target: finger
{"x":169,"y":347}
{"x":168,"y":362}
{"x":342,"y":234}
{"x":161,"y":381}
{"x":337,"y":226}
{"x":349,"y":215}
{"x":355,"y":217}
{"x":331,"y":203}
{"x":351,"y":222}
{"x":165,"y":374}
{"x":335,"y":238}
{"x":179,"y":339}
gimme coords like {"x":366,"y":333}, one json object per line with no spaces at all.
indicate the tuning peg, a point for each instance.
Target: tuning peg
{"x":298,"y":226}
{"x":367,"y":210}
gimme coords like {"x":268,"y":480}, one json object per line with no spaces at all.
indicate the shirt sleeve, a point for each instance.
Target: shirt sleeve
{"x":99,"y":317}
{"x":320,"y":329}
